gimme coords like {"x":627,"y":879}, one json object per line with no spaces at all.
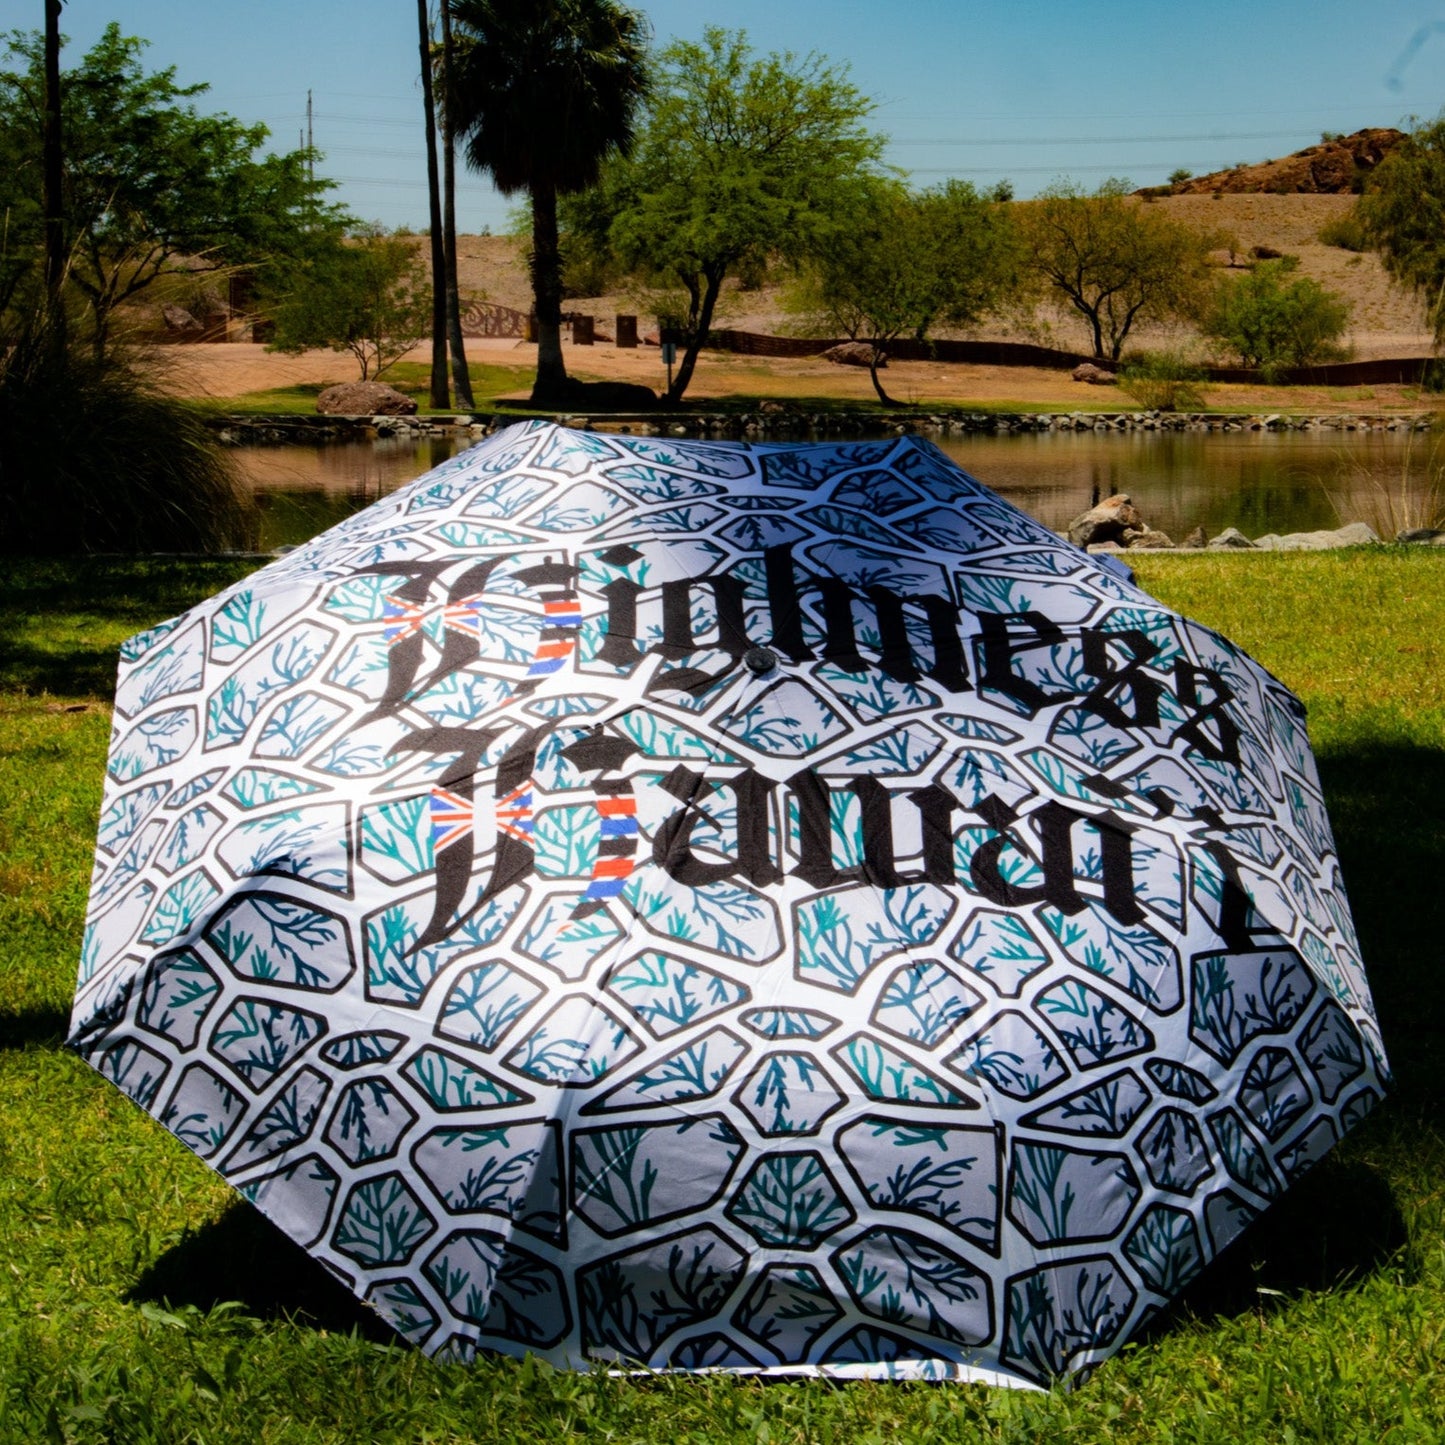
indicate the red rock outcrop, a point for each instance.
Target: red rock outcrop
{"x":1334,"y":167}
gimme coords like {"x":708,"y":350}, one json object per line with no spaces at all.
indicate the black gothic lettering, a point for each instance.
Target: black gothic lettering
{"x":1144,"y":692}
{"x":815,"y":833}
{"x":451,"y":805}
{"x":1235,"y":904}
{"x":1224,"y":746}
{"x":785,"y":606}
{"x":616,"y":814}
{"x":672,"y":845}
{"x":619,"y":642}
{"x":999,"y":648}
{"x":619,"y":634}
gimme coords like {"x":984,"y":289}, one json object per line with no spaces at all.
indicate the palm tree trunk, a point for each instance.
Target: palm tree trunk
{"x":550,"y":387}
{"x":440,"y":395}
{"x":461,"y":378}
{"x":53,"y":167}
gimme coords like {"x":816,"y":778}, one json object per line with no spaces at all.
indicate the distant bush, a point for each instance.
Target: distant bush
{"x":370,"y":296}
{"x":1346,"y":231}
{"x":1163,"y":381}
{"x":1178,"y":177}
{"x":1271,"y":321}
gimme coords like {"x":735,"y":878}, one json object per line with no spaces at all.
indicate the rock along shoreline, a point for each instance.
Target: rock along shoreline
{"x":780,"y":421}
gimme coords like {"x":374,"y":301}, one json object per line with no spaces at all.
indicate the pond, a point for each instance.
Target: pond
{"x":1256,"y":481}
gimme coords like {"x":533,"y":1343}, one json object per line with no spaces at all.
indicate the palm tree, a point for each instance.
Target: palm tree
{"x":461,"y":378}
{"x":440,"y":395}
{"x":53,"y":167}
{"x":543,"y":92}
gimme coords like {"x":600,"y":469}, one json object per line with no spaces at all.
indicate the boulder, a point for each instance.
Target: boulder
{"x":1196,"y":540}
{"x":1231,"y":539}
{"x":1148,"y":538}
{"x":1431,"y":535}
{"x":1356,"y":534}
{"x":853,"y":353}
{"x":364,"y":398}
{"x":179,"y":320}
{"x":1108,"y":522}
{"x":1094,"y":375}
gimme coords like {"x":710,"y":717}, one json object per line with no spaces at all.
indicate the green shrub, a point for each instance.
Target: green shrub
{"x":1271,"y":321}
{"x":93,"y":458}
{"x":1163,"y":381}
{"x":369,"y":296}
{"x":1345,"y":231}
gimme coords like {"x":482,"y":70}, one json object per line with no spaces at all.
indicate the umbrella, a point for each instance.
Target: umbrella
{"x":704,"y":906}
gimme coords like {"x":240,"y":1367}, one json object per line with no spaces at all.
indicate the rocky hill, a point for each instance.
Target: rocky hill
{"x":1336,"y":167}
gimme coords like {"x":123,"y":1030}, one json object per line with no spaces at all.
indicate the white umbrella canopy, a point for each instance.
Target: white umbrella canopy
{"x":692,"y":905}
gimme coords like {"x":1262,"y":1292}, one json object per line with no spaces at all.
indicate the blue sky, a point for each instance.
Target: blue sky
{"x":1028,"y":90}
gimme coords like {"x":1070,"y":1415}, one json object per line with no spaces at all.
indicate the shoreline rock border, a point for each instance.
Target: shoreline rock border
{"x":778,"y":420}
{"x":1115,"y":526}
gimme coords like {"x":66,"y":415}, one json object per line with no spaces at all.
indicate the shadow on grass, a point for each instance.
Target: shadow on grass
{"x":1387,"y":807}
{"x":42,"y":1028}
{"x":108,"y":597}
{"x":243,"y":1257}
{"x":79,"y":672}
{"x":1337,"y":1224}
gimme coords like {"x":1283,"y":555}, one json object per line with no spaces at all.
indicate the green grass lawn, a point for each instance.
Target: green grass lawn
{"x":140,"y":1301}
{"x":411,"y":377}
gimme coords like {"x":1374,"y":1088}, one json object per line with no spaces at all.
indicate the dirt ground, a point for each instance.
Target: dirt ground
{"x":1385,"y":322}
{"x":227,"y":370}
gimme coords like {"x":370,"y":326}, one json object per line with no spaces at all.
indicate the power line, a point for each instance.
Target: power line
{"x":1015,"y":118}
{"x":1054,"y":170}
{"x":1087,"y":140}
{"x":366,"y":119}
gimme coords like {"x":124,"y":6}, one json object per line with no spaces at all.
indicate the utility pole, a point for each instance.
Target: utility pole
{"x":310,"y":143}
{"x":440,"y":395}
{"x":461,"y":378}
{"x":53,"y":168}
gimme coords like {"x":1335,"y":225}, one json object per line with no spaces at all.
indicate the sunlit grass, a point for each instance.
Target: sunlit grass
{"x":140,"y":1302}
{"x":409,"y":377}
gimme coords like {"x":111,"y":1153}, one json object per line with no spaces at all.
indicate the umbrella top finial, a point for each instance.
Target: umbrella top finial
{"x":760,"y":660}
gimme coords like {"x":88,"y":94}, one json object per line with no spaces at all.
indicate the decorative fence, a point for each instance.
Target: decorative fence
{"x":1403,"y":370}
{"x":983,"y":353}
{"x":1408,"y":370}
{"x":486,"y":318}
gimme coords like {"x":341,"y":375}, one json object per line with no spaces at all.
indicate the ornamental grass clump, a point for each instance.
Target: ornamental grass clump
{"x":94,"y":458}
{"x":1163,"y":381}
{"x":1412,"y":501}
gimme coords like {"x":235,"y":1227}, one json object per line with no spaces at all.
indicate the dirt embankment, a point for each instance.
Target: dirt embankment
{"x":1385,"y":322}
{"x":1384,"y":319}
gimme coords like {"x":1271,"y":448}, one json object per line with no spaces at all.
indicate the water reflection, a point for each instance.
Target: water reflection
{"x":1256,"y":481}
{"x":303,"y":490}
